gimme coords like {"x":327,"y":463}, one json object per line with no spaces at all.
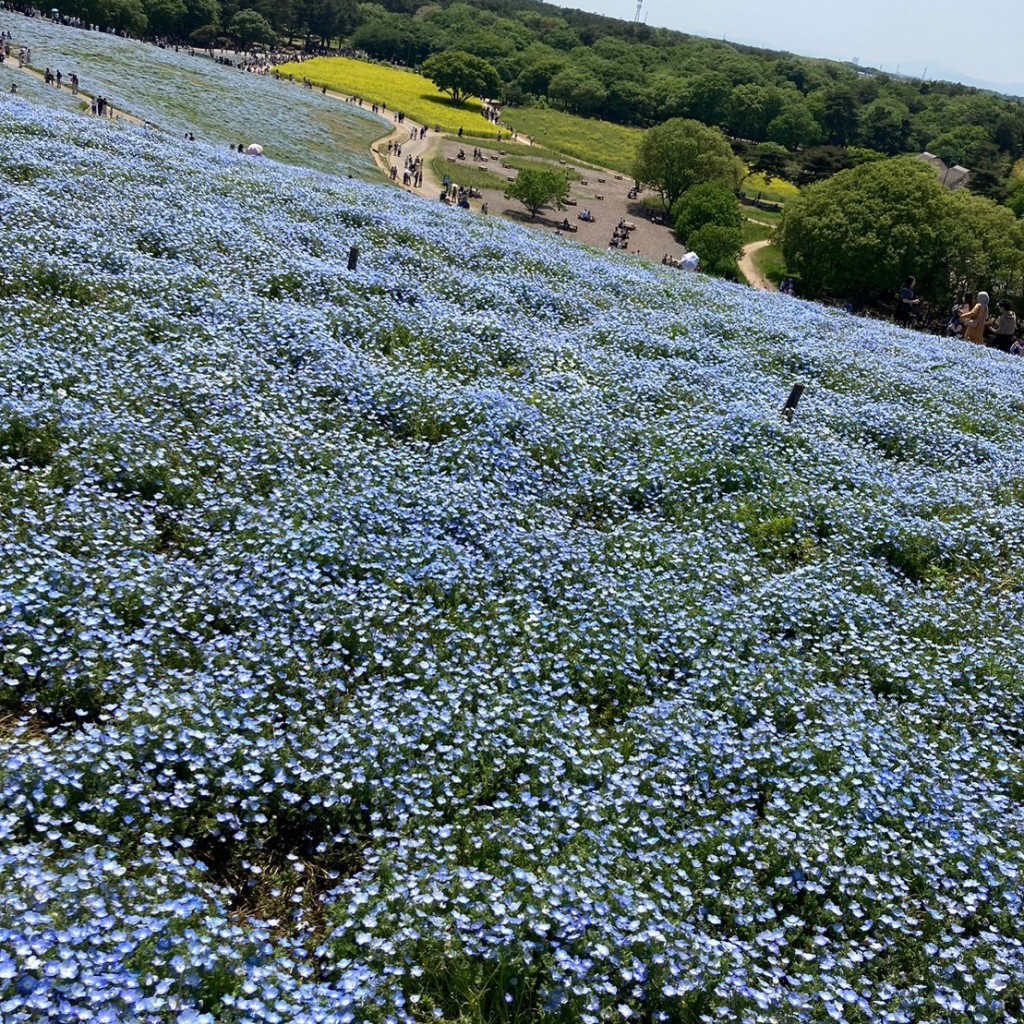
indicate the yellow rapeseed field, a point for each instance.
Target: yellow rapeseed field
{"x":400,"y":90}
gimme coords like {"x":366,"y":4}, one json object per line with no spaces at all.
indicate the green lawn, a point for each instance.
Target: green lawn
{"x":754,"y":232}
{"x":465,"y":172}
{"x":770,"y":263}
{"x":598,"y":143}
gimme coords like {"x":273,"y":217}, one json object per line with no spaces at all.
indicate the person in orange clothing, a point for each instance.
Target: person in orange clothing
{"x":974,"y":321}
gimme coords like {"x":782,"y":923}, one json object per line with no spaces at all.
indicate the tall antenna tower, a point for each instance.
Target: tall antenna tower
{"x":639,"y":8}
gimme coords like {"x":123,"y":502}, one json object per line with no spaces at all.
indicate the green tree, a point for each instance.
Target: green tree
{"x":166,"y":17}
{"x":127,"y":16}
{"x":794,"y":125}
{"x":770,"y":159}
{"x":204,"y":36}
{"x":963,"y":145}
{"x":577,"y":89}
{"x":884,"y":127}
{"x":839,"y":114}
{"x":326,"y":18}
{"x":200,"y":12}
{"x":751,"y":108}
{"x":674,"y":156}
{"x":718,"y":248}
{"x":248,"y":27}
{"x":386,"y":39}
{"x":461,"y":75}
{"x":536,"y":77}
{"x":710,"y":202}
{"x":863,"y":231}
{"x":537,"y":187}
{"x":821,"y":162}
{"x":1015,"y":200}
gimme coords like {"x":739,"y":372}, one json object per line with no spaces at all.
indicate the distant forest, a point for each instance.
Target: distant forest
{"x":833,"y":115}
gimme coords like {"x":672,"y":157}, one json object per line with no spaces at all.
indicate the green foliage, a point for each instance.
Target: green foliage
{"x":863,"y":231}
{"x":1015,"y":200}
{"x":676,"y":155}
{"x":391,"y":39}
{"x":885,"y":127}
{"x":718,"y":246}
{"x":578,"y":90}
{"x":538,"y":187}
{"x":769,"y":159}
{"x":462,"y":74}
{"x":248,"y":27}
{"x":711,"y":202}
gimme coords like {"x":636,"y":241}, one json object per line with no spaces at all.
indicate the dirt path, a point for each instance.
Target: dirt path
{"x":407,"y":135}
{"x":749,"y":270}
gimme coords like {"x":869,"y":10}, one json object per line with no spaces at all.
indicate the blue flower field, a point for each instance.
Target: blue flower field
{"x":465,"y":637}
{"x":179,"y":93}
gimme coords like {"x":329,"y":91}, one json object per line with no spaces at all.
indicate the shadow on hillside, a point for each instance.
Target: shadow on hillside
{"x":636,"y":210}
{"x":542,"y":220}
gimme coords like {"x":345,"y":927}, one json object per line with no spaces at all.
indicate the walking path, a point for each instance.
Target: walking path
{"x":119,"y":115}
{"x":749,"y":269}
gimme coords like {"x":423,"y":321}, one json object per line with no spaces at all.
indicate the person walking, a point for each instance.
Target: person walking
{"x":908,"y":302}
{"x":974,"y":320}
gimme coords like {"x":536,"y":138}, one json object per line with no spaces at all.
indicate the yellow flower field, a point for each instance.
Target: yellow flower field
{"x":401,"y":90}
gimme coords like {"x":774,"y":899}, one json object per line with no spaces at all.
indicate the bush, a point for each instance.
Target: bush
{"x":718,"y":247}
{"x":711,"y":202}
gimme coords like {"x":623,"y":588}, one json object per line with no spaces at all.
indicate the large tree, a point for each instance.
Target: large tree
{"x":859,"y":234}
{"x":679,"y":154}
{"x":578,"y":89}
{"x":248,"y":27}
{"x":537,"y":187}
{"x":711,"y":202}
{"x":462,"y":75}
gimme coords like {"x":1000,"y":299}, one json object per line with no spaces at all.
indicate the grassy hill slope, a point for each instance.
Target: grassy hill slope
{"x":466,"y":636}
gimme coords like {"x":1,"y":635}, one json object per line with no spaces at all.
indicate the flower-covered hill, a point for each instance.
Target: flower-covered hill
{"x":465,"y":636}
{"x":181,"y":93}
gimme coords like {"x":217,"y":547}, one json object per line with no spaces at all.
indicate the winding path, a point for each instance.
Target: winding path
{"x":749,"y":269}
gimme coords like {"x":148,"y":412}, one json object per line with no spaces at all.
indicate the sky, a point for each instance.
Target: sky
{"x":980,"y":43}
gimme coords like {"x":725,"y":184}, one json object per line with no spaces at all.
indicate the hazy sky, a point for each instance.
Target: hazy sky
{"x":982,"y":41}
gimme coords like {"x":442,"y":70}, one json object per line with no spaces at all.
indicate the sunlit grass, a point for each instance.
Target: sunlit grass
{"x":465,"y":172}
{"x":754,"y":232}
{"x":770,"y":263}
{"x":397,"y":89}
{"x":598,"y":143}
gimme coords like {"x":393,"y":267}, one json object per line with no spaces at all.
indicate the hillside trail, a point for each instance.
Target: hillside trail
{"x":749,"y":270}
{"x":119,"y":115}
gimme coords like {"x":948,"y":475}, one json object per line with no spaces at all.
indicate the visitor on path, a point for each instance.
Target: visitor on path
{"x":974,"y":321}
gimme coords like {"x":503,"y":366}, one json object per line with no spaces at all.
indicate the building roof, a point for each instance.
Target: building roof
{"x":953,"y":177}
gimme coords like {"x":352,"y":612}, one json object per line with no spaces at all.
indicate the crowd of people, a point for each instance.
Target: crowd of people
{"x":970,"y":319}
{"x":974,"y":323}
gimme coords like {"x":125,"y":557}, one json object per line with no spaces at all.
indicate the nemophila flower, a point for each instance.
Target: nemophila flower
{"x":375,"y":639}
